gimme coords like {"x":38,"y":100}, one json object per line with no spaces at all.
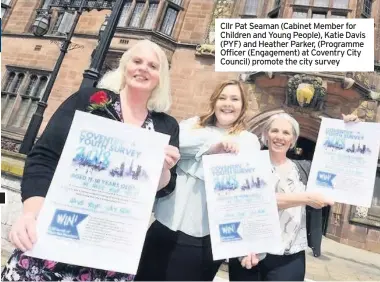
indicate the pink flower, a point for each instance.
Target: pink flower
{"x":49,"y":264}
{"x":24,"y":263}
{"x":85,"y":277}
{"x":111,"y":273}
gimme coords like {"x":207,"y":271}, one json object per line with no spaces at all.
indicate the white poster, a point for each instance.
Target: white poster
{"x":99,"y":203}
{"x":345,"y":161}
{"x":241,"y":204}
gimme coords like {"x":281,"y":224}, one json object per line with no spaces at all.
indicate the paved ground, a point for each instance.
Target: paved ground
{"x":341,"y":262}
{"x":338,"y":263}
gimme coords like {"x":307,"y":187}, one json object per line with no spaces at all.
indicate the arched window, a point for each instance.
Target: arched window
{"x":41,"y":87}
{"x":16,"y":86}
{"x":9,"y":81}
{"x":32,"y":82}
{"x":22,"y":90}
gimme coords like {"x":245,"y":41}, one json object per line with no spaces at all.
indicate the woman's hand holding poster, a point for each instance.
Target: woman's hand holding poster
{"x":242,"y":206}
{"x":100,"y":200}
{"x":345,"y":161}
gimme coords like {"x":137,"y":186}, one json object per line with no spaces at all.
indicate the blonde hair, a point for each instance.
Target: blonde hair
{"x":114,"y":80}
{"x":295,"y":128}
{"x":209,"y":118}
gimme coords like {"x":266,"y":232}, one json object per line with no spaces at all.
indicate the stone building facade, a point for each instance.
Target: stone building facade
{"x":184,"y":28}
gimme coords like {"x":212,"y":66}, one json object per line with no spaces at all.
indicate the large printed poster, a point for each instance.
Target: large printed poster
{"x":345,"y":161}
{"x":241,"y":204}
{"x":99,"y":203}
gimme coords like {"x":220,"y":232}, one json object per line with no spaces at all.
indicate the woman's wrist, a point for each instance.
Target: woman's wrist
{"x":306,"y":199}
{"x":165,"y":178}
{"x":29,"y":214}
{"x":211,"y":150}
{"x":32,"y":206}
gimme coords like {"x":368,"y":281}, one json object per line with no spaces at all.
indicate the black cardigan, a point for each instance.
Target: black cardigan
{"x":42,"y":161}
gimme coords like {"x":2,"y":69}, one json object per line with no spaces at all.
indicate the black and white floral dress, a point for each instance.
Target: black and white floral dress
{"x":24,"y":268}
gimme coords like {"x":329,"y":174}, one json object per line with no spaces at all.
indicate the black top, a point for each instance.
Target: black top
{"x":42,"y":161}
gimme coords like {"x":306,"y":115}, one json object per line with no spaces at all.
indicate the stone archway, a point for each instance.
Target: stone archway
{"x":308,"y":121}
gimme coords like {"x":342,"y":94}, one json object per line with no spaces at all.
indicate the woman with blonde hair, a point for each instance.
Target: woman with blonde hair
{"x":178,"y":245}
{"x":136,"y":93}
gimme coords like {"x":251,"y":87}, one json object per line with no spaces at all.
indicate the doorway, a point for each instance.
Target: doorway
{"x":305,"y":151}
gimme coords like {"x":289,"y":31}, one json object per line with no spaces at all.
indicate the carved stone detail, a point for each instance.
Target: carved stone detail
{"x":10,"y":145}
{"x":336,"y":219}
{"x":375,"y":95}
{"x":370,"y":80}
{"x":205,"y":50}
{"x":367,"y":110}
{"x":222,"y":9}
{"x":305,"y":91}
{"x":347,"y":83}
{"x":361,"y":212}
{"x":362,"y":78}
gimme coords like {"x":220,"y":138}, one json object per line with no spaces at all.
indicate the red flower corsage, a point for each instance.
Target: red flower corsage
{"x":99,"y":98}
{"x":100,"y":101}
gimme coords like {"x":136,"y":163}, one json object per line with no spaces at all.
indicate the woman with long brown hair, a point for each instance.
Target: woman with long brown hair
{"x":178,"y":245}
